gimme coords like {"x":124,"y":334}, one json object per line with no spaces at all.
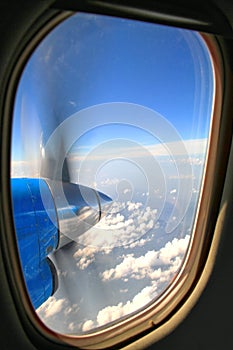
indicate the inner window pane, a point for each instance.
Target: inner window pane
{"x":110,"y":135}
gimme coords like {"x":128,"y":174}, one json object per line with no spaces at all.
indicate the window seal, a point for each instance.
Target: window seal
{"x":198,"y":15}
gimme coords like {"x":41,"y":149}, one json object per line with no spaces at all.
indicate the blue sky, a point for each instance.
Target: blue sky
{"x":89,"y":60}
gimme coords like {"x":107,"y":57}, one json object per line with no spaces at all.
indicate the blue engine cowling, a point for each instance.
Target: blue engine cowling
{"x":49,"y":214}
{"x":37,"y":236}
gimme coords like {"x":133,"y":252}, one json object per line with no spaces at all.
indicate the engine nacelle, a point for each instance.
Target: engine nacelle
{"x":48,"y":215}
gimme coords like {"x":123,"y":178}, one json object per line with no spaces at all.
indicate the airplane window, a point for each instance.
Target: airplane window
{"x":111,"y":126}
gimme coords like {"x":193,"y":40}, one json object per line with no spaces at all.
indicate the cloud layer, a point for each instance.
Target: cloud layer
{"x":158,"y":266}
{"x":125,"y":224}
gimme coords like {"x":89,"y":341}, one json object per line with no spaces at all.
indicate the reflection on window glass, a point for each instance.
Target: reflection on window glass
{"x":110,"y":134}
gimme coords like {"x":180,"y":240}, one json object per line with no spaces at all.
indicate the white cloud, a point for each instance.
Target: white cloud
{"x":85,"y":256}
{"x":179,"y":148}
{"x":51,"y":307}
{"x":59,"y":314}
{"x":149,"y":265}
{"x":175,"y":248}
{"x":125,"y":224}
{"x":139,"y":243}
{"x":127,"y":221}
{"x":114,"y":312}
{"x":109,"y":181}
{"x":88,"y":325}
{"x":127,"y":190}
{"x":25,"y":168}
{"x":133,"y":206}
{"x":160,"y":266}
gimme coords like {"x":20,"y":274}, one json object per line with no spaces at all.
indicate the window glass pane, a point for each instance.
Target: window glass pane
{"x":110,"y":136}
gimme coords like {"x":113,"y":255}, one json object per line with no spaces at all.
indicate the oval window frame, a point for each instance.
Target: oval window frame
{"x":181,"y":290}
